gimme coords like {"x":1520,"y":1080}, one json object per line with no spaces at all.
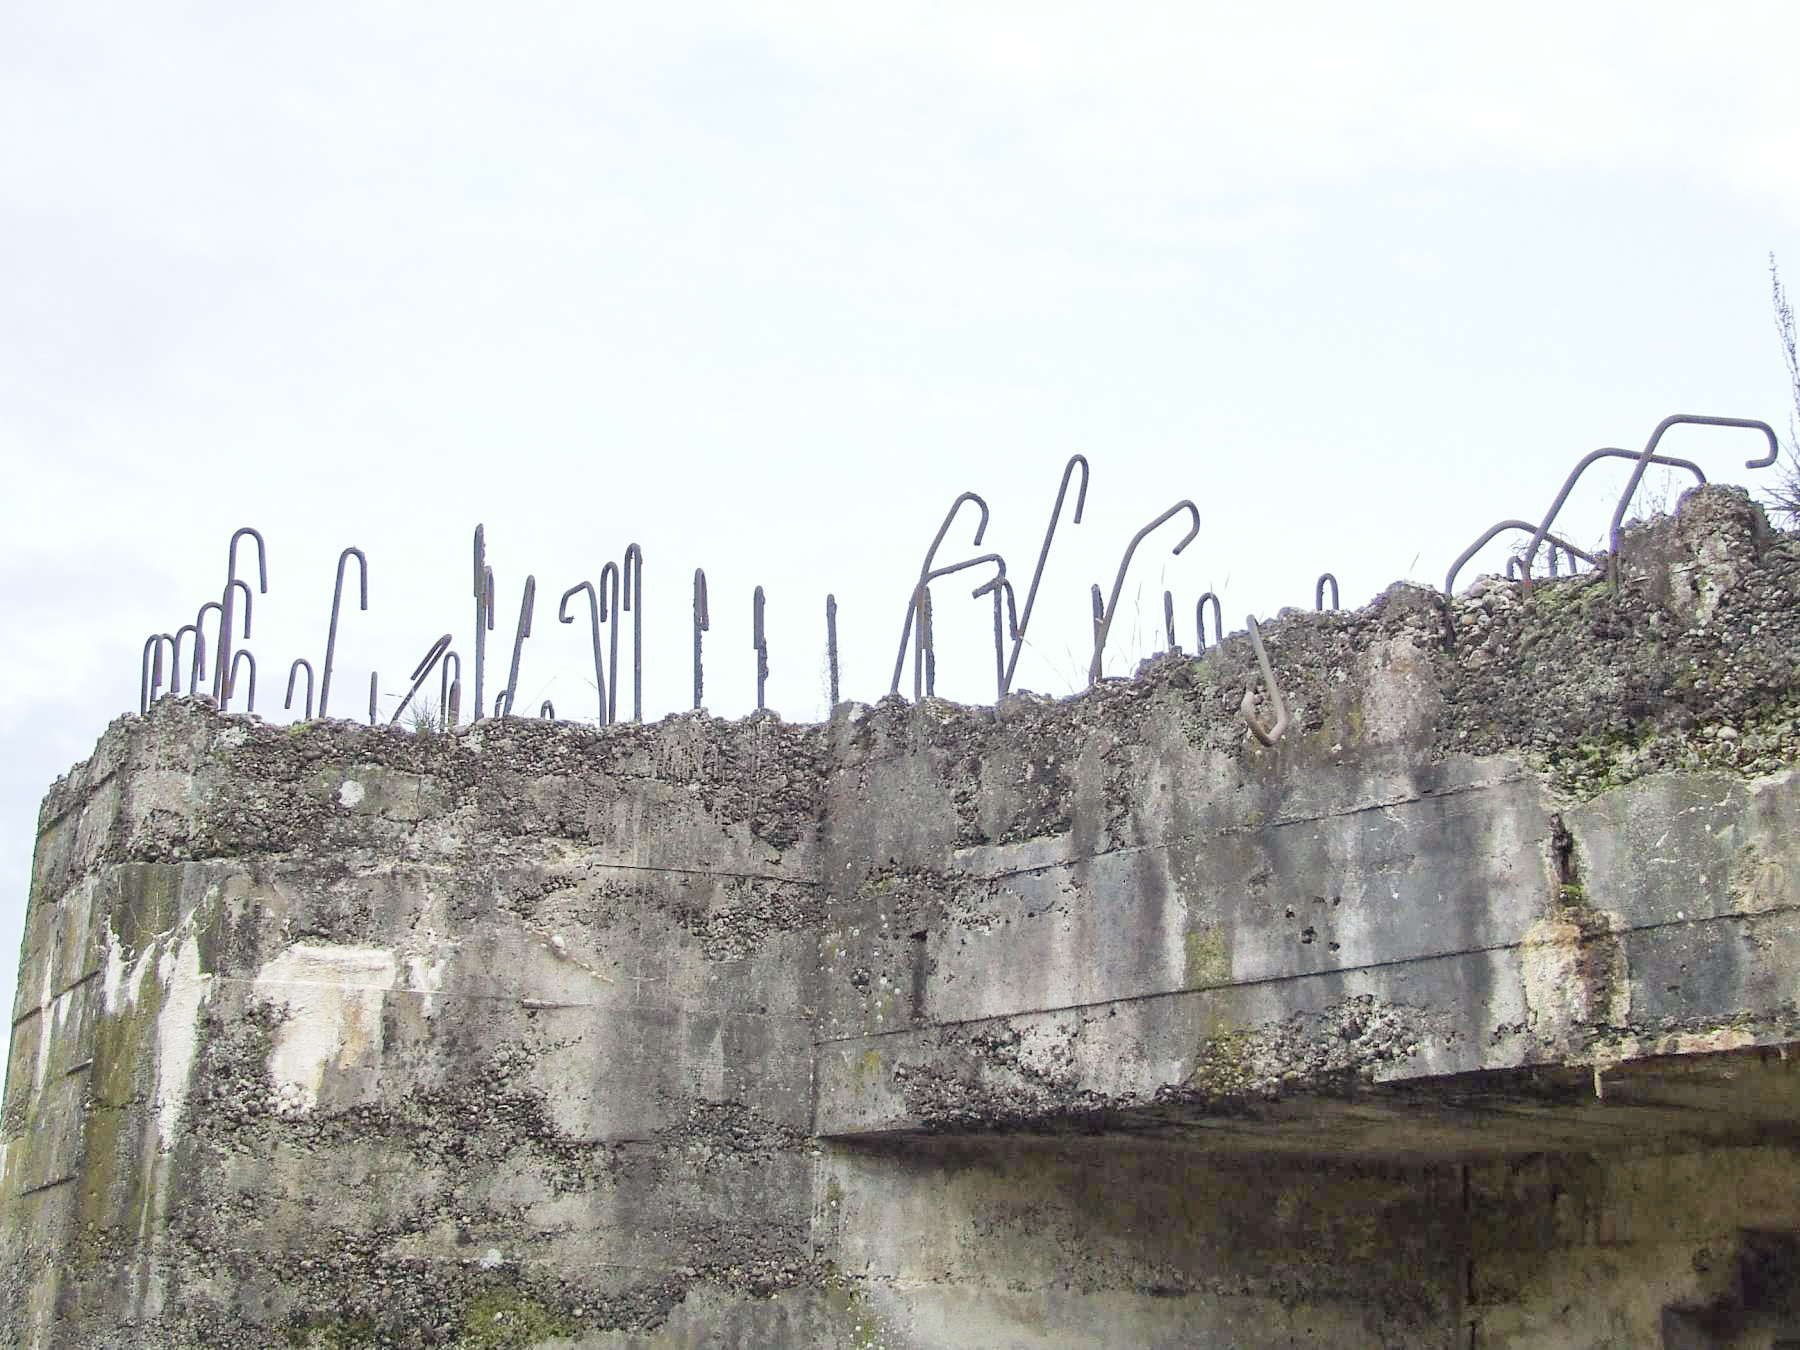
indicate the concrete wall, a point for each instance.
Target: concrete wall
{"x":1459,"y":1017}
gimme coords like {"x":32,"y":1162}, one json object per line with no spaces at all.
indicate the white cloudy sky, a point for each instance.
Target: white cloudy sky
{"x":762,"y":286}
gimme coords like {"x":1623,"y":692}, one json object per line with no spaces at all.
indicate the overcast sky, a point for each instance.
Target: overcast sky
{"x":763,"y":286}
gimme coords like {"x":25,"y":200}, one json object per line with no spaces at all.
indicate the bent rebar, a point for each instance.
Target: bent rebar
{"x":612,"y":659}
{"x":998,"y":585}
{"x":150,"y":682}
{"x":759,"y":640}
{"x":450,"y":689}
{"x":1648,"y":453}
{"x":1267,"y":735}
{"x":635,"y":589}
{"x":1537,"y":535}
{"x":199,"y":658}
{"x":523,"y":631}
{"x":547,"y":711}
{"x":422,"y":672}
{"x":925,"y":655}
{"x":250,"y":698}
{"x":1043,"y":554}
{"x":831,"y":652}
{"x":200,"y":642}
{"x":1319,"y":592}
{"x":702,"y":623}
{"x":906,"y":633}
{"x":300,"y":663}
{"x":563,"y":616}
{"x":224,"y":667}
{"x":337,"y":600}
{"x":1103,"y":625}
{"x":1200,"y":621}
{"x":1541,"y":532}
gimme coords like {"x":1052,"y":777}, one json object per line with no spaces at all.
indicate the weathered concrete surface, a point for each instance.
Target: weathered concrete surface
{"x":1459,"y":1017}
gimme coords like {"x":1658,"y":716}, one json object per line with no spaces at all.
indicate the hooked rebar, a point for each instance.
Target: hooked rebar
{"x":1541,"y":532}
{"x":150,"y":682}
{"x":450,"y":689}
{"x":1267,"y":735}
{"x":200,"y":642}
{"x":337,"y":600}
{"x":1538,"y":534}
{"x":250,"y":699}
{"x":759,"y":640}
{"x":831,"y":652}
{"x":547,"y":711}
{"x":634,"y":589}
{"x":223,"y":669}
{"x":1200,"y":621}
{"x":998,"y":585}
{"x":1648,"y":453}
{"x":1319,"y":592}
{"x":701,"y":624}
{"x":612,"y":660}
{"x":1103,"y":625}
{"x":175,"y":660}
{"x":1037,"y":574}
{"x":563,"y":615}
{"x":906,"y":633}
{"x":300,"y":664}
{"x":925,"y":657}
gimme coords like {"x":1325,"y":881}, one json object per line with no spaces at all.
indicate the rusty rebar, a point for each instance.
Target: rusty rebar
{"x":337,"y":600}
{"x":1103,"y":625}
{"x":1037,"y":574}
{"x":563,"y":616}
{"x":906,"y":633}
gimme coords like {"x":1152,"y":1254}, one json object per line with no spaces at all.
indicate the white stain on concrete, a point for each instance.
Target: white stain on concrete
{"x":333,"y":998}
{"x":43,"y":1047}
{"x":350,"y":795}
{"x":185,"y":988}
{"x":425,"y":976}
{"x":120,"y":981}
